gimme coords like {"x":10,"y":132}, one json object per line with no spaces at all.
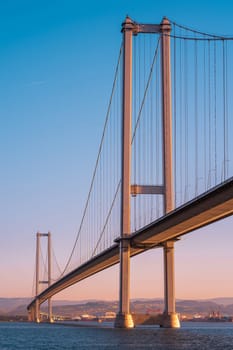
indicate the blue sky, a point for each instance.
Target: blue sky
{"x":57,"y":61}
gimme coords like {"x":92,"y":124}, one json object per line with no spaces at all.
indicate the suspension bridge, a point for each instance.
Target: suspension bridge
{"x":165,"y":161}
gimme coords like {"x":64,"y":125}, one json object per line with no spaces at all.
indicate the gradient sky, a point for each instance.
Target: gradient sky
{"x":57,"y":61}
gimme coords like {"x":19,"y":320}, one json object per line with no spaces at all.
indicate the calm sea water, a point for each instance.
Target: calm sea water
{"x":192,"y":336}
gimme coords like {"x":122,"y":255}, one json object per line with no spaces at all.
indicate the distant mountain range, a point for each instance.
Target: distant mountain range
{"x":18,"y":306}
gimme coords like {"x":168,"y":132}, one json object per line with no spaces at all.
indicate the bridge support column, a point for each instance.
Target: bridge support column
{"x":37,"y":305}
{"x":37,"y":312}
{"x":38,"y":281}
{"x":31,"y":315}
{"x":170,"y":317}
{"x":50,"y":312}
{"x":124,"y":318}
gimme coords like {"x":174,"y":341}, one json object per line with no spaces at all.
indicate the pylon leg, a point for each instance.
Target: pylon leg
{"x":37,"y":313}
{"x":170,"y":317}
{"x":50,"y":314}
{"x":124,"y":318}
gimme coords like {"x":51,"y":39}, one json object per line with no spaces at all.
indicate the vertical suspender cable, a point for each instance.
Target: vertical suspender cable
{"x":204,"y":120}
{"x":139,"y":131}
{"x":209,"y":114}
{"x":144,"y":141}
{"x":186,"y":146}
{"x":215,"y":117}
{"x":134,"y":122}
{"x":196,"y":114}
{"x":157,"y":125}
{"x":181,"y":119}
{"x":139,"y":134}
{"x":151,"y":137}
{"x":175,"y":117}
{"x":224,"y":109}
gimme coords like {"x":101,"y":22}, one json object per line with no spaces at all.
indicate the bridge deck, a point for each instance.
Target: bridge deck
{"x":211,"y":206}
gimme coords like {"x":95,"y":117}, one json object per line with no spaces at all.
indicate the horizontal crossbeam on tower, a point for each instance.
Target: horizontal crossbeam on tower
{"x":146,"y":189}
{"x":147,"y":28}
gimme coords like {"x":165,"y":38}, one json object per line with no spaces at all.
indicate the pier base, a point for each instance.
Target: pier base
{"x":30,"y":316}
{"x":170,"y":320}
{"x":124,"y":321}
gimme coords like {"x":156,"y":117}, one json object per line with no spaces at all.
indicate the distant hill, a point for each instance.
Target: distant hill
{"x":18,"y":306}
{"x":8,"y":305}
{"x":200,"y":307}
{"x":222,"y":301}
{"x":13,"y":306}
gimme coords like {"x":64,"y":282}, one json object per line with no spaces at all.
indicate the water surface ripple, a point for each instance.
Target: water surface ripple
{"x":192,"y":336}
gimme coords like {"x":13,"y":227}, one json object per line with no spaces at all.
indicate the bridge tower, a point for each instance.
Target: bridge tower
{"x":170,"y":317}
{"x":130,"y":28}
{"x":124,"y":318}
{"x":36,"y":313}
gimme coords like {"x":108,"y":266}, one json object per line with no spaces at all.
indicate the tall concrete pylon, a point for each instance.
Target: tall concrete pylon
{"x":170,"y":317}
{"x":35,"y":314}
{"x":124,"y":318}
{"x":130,"y":28}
